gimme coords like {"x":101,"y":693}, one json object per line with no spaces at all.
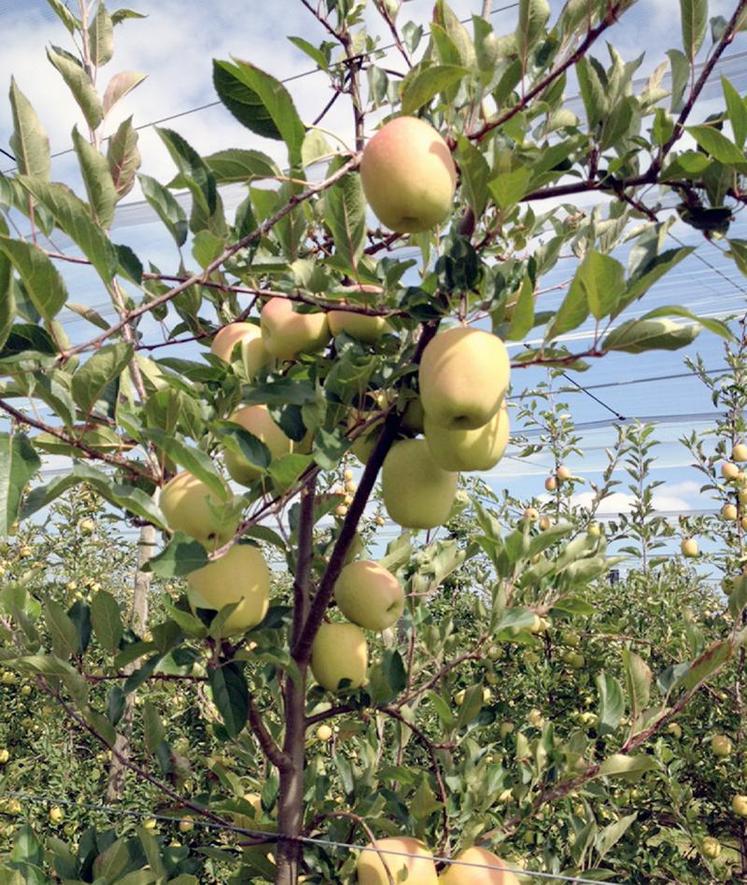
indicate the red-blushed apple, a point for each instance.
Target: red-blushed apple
{"x":463,"y":378}
{"x":417,"y":493}
{"x":478,"y":449}
{"x":241,"y":575}
{"x":339,"y":651}
{"x":258,"y":421}
{"x":286,"y":332}
{"x":369,"y":595}
{"x":408,"y":175}
{"x":406,"y":859}
{"x":191,"y":507}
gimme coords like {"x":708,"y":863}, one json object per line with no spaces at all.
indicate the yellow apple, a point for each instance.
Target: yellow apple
{"x":413,"y":419}
{"x":324,"y":733}
{"x":729,"y":471}
{"x":408,"y":175}
{"x":4,"y":756}
{"x":258,"y":421}
{"x":739,"y":452}
{"x":369,"y":595}
{"x":190,"y":506}
{"x":339,"y":651}
{"x":545,"y":523}
{"x":241,"y":576}
{"x":479,"y":449}
{"x":406,"y":859}
{"x":675,"y":729}
{"x":358,"y":325}
{"x":563,"y":473}
{"x":56,"y":814}
{"x":286,"y":333}
{"x":551,"y":483}
{"x":463,"y":377}
{"x":531,"y":514}
{"x":249,"y":336}
{"x":721,"y":745}
{"x":739,"y":805}
{"x":711,"y":847}
{"x":729,"y":512}
{"x":417,"y":493}
{"x":472,"y":875}
{"x":689,"y":547}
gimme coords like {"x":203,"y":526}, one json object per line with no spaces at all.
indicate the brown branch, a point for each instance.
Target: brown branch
{"x":162,"y":677}
{"x":610,"y":18}
{"x":474,"y":655}
{"x":93,"y":454}
{"x":202,"y":277}
{"x":305,"y":554}
{"x":302,"y":648}
{"x":273,"y":752}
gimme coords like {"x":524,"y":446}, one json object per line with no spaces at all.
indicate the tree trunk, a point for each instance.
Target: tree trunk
{"x":290,"y":812}
{"x":138,"y":621}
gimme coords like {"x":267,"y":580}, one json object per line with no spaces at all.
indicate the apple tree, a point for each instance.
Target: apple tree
{"x":342,"y":336}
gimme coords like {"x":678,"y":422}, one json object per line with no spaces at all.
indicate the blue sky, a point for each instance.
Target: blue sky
{"x":175,"y":46}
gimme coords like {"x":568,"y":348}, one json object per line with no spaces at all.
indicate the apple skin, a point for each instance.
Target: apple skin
{"x":721,"y":745}
{"x":242,"y":576}
{"x":479,"y":449}
{"x":689,"y":547}
{"x":420,"y":868}
{"x":729,"y":471}
{"x":739,"y":805}
{"x":358,"y":325}
{"x":408,"y":175}
{"x":249,"y":336}
{"x":417,"y":493}
{"x":339,"y":651}
{"x":187,"y":504}
{"x":258,"y":421}
{"x":369,"y":595}
{"x":729,"y":512}
{"x":286,"y":333}
{"x":739,"y":453}
{"x":365,"y":443}
{"x":456,"y":875}
{"x":711,"y":847}
{"x":463,"y":377}
{"x":413,"y":418}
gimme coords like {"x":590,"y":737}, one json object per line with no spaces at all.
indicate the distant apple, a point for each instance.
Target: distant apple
{"x":339,"y":651}
{"x":408,"y":175}
{"x":324,"y":733}
{"x":286,"y":333}
{"x":739,"y":452}
{"x":711,"y":847}
{"x":369,"y":595}
{"x":729,"y":471}
{"x":563,"y":473}
{"x":689,"y":547}
{"x":721,"y":745}
{"x":551,"y":483}
{"x":729,"y":512}
{"x":360,"y":326}
{"x":739,"y":805}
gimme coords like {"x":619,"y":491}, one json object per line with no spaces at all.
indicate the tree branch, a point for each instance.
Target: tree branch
{"x":273,"y":752}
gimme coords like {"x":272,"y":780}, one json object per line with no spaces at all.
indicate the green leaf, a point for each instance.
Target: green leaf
{"x":64,"y":15}
{"x":123,"y":157}
{"x":522,"y":317}
{"x":102,"y":195}
{"x":603,"y":280}
{"x":533,"y":16}
{"x":153,"y":729}
{"x":260,"y":102}
{"x":41,"y":279}
{"x":29,"y":141}
{"x":121,"y":84}
{"x":509,"y":187}
{"x":611,"y":703}
{"x":79,"y":83}
{"x":620,"y":764}
{"x":120,"y":15}
{"x":708,"y":663}
{"x":737,"y":112}
{"x":638,"y":683}
{"x":475,"y":174}
{"x":197,"y":462}
{"x":179,"y":557}
{"x":717,"y":145}
{"x":191,"y":165}
{"x":612,"y":833}
{"x":694,"y":25}
{"x":717,"y":327}
{"x":231,"y":695}
{"x":680,"y":68}
{"x":63,"y":631}
{"x":7,"y":299}
{"x":166,"y":207}
{"x":72,"y":216}
{"x":101,"y":36}
{"x":592,"y":92}
{"x":107,"y":621}
{"x":241,"y":165}
{"x":345,"y":216}
{"x":99,"y":370}
{"x":572,"y":312}
{"x":637,"y":336}
{"x":419,"y":87}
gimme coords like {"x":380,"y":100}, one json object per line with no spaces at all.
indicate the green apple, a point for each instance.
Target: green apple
{"x":739,"y":452}
{"x":479,"y":449}
{"x":675,"y":729}
{"x":258,"y":421}
{"x":408,"y":175}
{"x":186,"y":825}
{"x":369,"y":595}
{"x":406,"y":859}
{"x":729,"y":512}
{"x":721,"y":745}
{"x":287,"y":333}
{"x":358,"y":325}
{"x":506,"y":728}
{"x":739,"y":805}
{"x":190,"y":506}
{"x":56,"y":815}
{"x":689,"y":547}
{"x":417,"y":493}
{"x":339,"y":651}
{"x":413,"y":419}
{"x":241,"y":576}
{"x":711,"y":847}
{"x":473,"y":875}
{"x":252,"y":349}
{"x":463,"y":377}
{"x":729,"y":471}
{"x":4,"y":756}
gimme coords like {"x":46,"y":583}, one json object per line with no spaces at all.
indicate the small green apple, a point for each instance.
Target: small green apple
{"x":739,"y":805}
{"x":721,"y":745}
